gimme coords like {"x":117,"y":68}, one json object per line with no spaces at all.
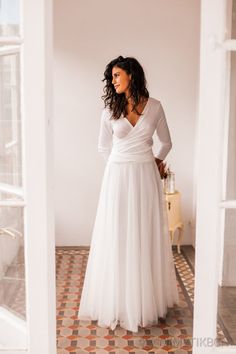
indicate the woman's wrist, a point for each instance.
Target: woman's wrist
{"x":158,"y":161}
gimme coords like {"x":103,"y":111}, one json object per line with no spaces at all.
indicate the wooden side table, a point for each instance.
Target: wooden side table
{"x":174,"y":216}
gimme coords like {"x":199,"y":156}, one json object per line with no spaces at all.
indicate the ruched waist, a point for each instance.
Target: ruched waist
{"x":117,"y":156}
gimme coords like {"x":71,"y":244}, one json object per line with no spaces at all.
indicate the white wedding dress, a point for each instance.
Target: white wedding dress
{"x":130,"y":276}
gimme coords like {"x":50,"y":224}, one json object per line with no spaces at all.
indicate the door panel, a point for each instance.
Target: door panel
{"x":10,"y":121}
{"x":227,"y":278}
{"x":13,"y":325}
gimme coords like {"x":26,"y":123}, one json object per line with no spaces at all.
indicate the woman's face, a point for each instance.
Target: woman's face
{"x":120,"y":80}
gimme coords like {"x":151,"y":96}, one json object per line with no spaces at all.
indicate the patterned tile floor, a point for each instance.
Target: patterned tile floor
{"x":172,"y":335}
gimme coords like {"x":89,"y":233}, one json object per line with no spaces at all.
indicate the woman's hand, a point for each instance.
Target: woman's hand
{"x":161,"y":167}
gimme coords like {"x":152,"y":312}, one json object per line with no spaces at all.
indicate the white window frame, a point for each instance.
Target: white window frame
{"x":211,"y":182}
{"x":35,"y":47}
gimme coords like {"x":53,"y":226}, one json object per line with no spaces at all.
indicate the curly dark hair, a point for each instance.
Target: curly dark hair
{"x":117,"y":102}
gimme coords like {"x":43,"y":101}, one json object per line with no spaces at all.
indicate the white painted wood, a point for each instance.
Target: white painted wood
{"x":7,"y":50}
{"x":36,"y":96}
{"x":14,"y":351}
{"x":228,"y":204}
{"x":221,"y":249}
{"x":226,"y":350}
{"x":8,"y":188}
{"x":229,"y":44}
{"x":10,"y":40}
{"x":12,"y":203}
{"x":13,"y":331}
{"x":38,"y":181}
{"x":209,"y":173}
{"x":224,"y":144}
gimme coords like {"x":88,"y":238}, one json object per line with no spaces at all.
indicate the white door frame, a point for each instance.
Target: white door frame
{"x":38,"y":153}
{"x":35,"y":44}
{"x":212,"y":153}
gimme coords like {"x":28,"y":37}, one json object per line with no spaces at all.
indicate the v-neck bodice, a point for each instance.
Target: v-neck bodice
{"x":125,"y":142}
{"x":140,"y":118}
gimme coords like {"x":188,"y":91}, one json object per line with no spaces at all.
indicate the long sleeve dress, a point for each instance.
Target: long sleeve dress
{"x":130,"y":277}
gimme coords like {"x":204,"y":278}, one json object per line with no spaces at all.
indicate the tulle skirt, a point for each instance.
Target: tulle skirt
{"x":130,"y":276}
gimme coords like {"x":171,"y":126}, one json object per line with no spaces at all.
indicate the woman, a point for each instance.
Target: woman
{"x":130,"y":277}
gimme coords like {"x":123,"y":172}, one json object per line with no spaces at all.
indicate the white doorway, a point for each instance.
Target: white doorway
{"x":27,"y":246}
{"x":216,"y":167}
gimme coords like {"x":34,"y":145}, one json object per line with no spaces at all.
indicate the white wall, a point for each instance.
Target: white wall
{"x":164,"y":36}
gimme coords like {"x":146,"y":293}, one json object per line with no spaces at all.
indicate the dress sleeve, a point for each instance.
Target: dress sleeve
{"x":105,"y":135}
{"x":163,"y":134}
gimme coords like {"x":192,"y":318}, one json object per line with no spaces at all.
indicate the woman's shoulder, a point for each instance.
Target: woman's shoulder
{"x":156,"y":104}
{"x":157,"y":108}
{"x":106,"y":114}
{"x":106,"y":111}
{"x":155,"y":101}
